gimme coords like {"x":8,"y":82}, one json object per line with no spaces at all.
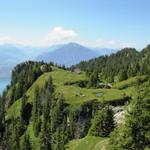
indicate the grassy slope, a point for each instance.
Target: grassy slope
{"x":75,"y":95}
{"x":88,"y":143}
{"x":130,"y":82}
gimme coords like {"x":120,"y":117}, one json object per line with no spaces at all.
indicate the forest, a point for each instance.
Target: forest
{"x":100,"y":104}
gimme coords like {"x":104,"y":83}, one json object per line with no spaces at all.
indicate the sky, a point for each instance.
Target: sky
{"x":94,"y":23}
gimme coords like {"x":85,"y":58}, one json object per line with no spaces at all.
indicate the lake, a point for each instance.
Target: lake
{"x":3,"y":83}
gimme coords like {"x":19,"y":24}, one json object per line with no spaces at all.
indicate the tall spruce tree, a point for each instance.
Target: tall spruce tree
{"x":103,"y":123}
{"x":14,"y":136}
{"x":36,"y":112}
{"x":26,"y":145}
{"x":94,"y":80}
{"x":48,"y":98}
{"x":58,"y":124}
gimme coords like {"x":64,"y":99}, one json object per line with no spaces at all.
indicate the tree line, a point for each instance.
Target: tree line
{"x":120,"y":66}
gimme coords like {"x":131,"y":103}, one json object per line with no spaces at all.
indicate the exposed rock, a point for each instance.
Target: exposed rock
{"x":119,"y":114}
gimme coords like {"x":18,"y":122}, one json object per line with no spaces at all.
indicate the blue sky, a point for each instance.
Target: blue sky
{"x":96,"y":23}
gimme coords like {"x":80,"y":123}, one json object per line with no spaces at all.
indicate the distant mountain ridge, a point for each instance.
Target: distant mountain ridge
{"x":68,"y":54}
{"x":71,"y":54}
{"x":11,"y":55}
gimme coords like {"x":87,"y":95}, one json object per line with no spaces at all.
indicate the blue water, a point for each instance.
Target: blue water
{"x":3,"y":84}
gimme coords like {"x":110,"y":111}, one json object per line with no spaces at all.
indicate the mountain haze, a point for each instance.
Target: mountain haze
{"x":71,"y":54}
{"x":15,"y":54}
{"x":11,"y":55}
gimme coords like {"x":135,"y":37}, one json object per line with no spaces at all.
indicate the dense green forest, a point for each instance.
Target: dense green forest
{"x":105,"y":106}
{"x":120,"y":66}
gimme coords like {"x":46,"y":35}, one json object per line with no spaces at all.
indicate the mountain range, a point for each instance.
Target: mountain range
{"x":72,"y":53}
{"x":67,"y":54}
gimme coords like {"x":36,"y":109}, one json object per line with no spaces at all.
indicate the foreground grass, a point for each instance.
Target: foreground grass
{"x":88,"y":143}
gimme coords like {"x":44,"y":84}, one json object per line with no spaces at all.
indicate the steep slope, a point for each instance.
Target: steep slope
{"x":76,"y":98}
{"x":69,"y":54}
{"x":116,"y":67}
{"x":74,"y":95}
{"x":88,"y":143}
{"x":52,"y":105}
{"x":79,"y":107}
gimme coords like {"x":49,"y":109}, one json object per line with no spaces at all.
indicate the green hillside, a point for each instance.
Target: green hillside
{"x":74,"y":95}
{"x":57,"y":108}
{"x":88,"y":143}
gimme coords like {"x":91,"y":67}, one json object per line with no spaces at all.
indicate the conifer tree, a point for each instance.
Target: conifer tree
{"x":94,"y":80}
{"x":13,"y":142}
{"x":135,"y":133}
{"x":48,"y":98}
{"x":103,"y":123}
{"x":26,"y":145}
{"x":36,"y":112}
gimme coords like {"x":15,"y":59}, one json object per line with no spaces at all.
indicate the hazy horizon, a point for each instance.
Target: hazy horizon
{"x":98,"y":23}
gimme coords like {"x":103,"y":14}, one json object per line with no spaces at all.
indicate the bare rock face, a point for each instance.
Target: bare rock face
{"x":119,"y":114}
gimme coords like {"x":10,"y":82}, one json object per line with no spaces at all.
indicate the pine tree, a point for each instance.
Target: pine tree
{"x":22,"y":113}
{"x":13,"y":143}
{"x":46,"y":135}
{"x":122,"y":75}
{"x":46,"y":131}
{"x":58,"y":124}
{"x":26,"y":145}
{"x":36,"y":112}
{"x":94,"y":80}
{"x":103,"y":123}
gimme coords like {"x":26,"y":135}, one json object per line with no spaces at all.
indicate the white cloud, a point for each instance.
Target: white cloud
{"x":57,"y":35}
{"x":7,"y":39}
{"x":60,"y":35}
